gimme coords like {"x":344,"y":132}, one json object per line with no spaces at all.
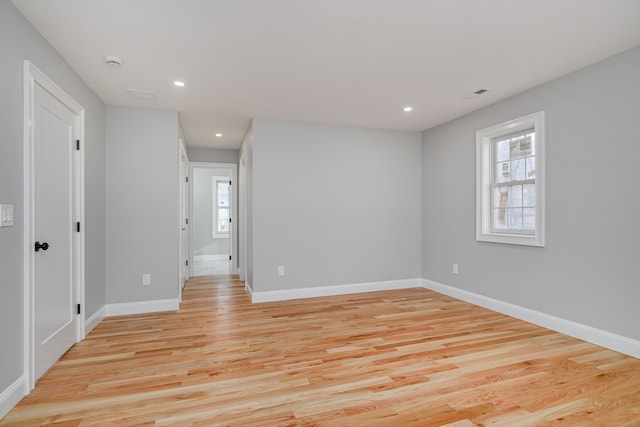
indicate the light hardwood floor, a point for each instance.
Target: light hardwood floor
{"x":394,"y":358}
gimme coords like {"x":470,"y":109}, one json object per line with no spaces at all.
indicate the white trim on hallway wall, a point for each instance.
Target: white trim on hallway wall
{"x":12,"y":395}
{"x":590,"y":334}
{"x":210,"y":257}
{"x":325,"y":291}
{"x":142,"y":307}
{"x":95,"y":318}
{"x":184,"y":212}
{"x":242,"y":218}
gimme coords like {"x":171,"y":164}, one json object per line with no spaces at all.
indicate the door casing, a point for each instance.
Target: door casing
{"x":33,"y":76}
{"x":234,"y":209}
{"x":184,"y":225}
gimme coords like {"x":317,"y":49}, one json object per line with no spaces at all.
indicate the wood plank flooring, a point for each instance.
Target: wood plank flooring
{"x":394,"y":358}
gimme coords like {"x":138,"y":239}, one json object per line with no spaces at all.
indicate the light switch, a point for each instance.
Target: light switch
{"x":6,"y":215}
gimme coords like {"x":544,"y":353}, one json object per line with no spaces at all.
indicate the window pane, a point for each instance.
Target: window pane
{"x":533,"y":143}
{"x":514,"y":218}
{"x":529,"y":195}
{"x":517,"y":170}
{"x":515,"y":196}
{"x":499,"y":219}
{"x":500,"y":200}
{"x":497,"y":196}
{"x":529,"y":218}
{"x":520,"y":147}
{"x":502,"y":150}
{"x":503,"y":172}
{"x":222,"y":189}
{"x":223,"y":220}
{"x":531,"y":167}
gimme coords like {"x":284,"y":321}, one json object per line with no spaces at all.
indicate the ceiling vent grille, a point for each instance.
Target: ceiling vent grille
{"x":112,"y":60}
{"x":475,"y":93}
{"x":141,"y":94}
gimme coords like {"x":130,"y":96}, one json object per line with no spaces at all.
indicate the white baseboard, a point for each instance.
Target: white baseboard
{"x":140,"y":307}
{"x":590,"y":334}
{"x":323,"y":291}
{"x":95,"y":318}
{"x":12,"y":395}
{"x":211,"y":257}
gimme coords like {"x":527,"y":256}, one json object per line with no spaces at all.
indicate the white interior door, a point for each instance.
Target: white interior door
{"x":54,"y":293}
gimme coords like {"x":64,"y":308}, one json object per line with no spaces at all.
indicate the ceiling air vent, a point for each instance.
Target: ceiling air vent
{"x":475,"y":93}
{"x":141,"y":94}
{"x":112,"y":60}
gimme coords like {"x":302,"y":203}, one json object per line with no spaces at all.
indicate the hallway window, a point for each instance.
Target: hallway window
{"x":221,"y":206}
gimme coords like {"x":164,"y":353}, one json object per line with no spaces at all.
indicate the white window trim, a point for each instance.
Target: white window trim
{"x":484,"y":165}
{"x":214,"y":224}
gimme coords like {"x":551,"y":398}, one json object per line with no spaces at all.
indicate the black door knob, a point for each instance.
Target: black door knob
{"x":44,"y":246}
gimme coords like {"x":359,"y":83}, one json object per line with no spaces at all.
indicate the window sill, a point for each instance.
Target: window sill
{"x":510,"y":239}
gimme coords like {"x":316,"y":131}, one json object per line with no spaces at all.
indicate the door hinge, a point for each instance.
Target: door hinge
{"x":229,"y":182}
{"x":78,"y":309}
{"x":186,"y":179}
{"x":229,"y":257}
{"x":78,"y":227}
{"x":186,"y":220}
{"x":186,"y":262}
{"x":77,"y":144}
{"x":229,"y":219}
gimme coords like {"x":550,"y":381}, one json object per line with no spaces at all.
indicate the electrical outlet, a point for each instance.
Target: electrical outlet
{"x":6,"y":215}
{"x":146,"y":279}
{"x":455,"y":268}
{"x":281,"y":270}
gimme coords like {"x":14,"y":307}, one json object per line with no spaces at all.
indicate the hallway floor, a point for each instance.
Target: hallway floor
{"x":206,"y":267}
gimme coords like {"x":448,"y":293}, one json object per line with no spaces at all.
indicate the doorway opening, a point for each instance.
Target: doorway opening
{"x":213,"y":212}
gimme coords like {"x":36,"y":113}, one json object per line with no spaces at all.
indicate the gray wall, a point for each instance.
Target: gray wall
{"x":212,"y":155}
{"x":203,"y":242}
{"x":334,"y":205}
{"x":587,"y":272}
{"x":142,"y":204}
{"x":20,"y":41}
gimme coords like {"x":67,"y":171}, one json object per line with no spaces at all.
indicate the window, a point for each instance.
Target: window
{"x":510,"y":182}
{"x":221,"y":206}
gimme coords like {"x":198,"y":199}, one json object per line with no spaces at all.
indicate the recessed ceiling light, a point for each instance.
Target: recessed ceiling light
{"x":407,"y":109}
{"x":218,"y":135}
{"x":178,"y":83}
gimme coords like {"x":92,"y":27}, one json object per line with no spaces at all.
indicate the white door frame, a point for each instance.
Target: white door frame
{"x":183,"y":248}
{"x":234,"y":209}
{"x":242,"y":241}
{"x":33,"y":76}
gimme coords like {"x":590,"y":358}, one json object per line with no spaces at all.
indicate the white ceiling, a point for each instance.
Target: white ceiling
{"x":350,"y":62}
